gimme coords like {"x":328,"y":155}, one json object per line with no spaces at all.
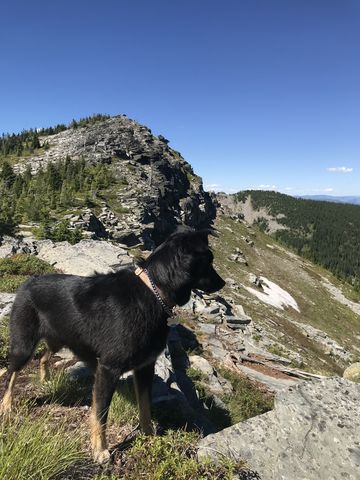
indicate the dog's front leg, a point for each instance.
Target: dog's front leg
{"x":104,"y":387}
{"x":143,"y":379}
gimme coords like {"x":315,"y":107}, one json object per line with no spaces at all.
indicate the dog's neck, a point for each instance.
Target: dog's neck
{"x":144,"y":276}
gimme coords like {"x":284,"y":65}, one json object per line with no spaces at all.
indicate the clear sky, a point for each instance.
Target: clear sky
{"x":251,"y":92}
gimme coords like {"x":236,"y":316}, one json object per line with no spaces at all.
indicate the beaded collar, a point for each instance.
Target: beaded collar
{"x":150,"y":283}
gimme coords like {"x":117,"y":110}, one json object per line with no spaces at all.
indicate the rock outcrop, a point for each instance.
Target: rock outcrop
{"x":156,"y":189}
{"x":83,"y":258}
{"x":312,"y":434}
{"x":6,"y":302}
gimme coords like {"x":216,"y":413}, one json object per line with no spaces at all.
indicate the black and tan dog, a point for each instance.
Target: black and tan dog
{"x":117,"y":322}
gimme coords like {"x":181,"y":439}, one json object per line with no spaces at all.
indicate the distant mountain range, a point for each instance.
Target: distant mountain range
{"x":330,"y":198}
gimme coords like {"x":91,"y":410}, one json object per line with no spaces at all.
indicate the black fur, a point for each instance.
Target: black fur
{"x":113,"y":321}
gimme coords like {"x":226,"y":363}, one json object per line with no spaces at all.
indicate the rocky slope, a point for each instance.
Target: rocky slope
{"x":155,"y":187}
{"x":299,"y":310}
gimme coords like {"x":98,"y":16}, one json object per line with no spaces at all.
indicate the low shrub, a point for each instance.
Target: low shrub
{"x":16,"y":269}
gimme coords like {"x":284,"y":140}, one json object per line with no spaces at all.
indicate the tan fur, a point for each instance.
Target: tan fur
{"x":6,"y":403}
{"x":44,"y":366}
{"x":98,"y":435}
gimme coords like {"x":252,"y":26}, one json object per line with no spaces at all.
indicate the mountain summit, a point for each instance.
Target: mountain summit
{"x":152,"y":187}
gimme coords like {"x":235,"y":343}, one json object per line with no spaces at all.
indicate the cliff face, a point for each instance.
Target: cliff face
{"x":156,"y":188}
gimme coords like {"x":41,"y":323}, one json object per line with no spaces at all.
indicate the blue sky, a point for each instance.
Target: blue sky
{"x":253,"y":93}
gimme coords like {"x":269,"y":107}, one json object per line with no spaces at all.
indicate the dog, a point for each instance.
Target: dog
{"x":115,"y":322}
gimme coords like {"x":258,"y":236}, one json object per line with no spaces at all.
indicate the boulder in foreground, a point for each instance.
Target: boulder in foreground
{"x":312,"y":434}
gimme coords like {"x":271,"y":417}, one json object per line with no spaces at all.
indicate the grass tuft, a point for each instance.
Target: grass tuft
{"x":123,"y":409}
{"x":62,"y":389}
{"x":246,"y":400}
{"x":34,"y":448}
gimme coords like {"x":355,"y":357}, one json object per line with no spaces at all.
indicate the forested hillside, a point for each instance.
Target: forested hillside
{"x":44,"y":197}
{"x":326,"y":233}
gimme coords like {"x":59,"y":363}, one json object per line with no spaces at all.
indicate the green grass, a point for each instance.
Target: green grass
{"x":62,"y":389}
{"x":16,"y":269}
{"x":4,"y":339}
{"x":173,"y":457}
{"x":123,"y":408}
{"x":14,"y":159}
{"x":37,"y":448}
{"x":246,"y":400}
{"x":278,"y":350}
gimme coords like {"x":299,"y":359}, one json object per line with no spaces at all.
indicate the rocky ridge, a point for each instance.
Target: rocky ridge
{"x":156,"y":189}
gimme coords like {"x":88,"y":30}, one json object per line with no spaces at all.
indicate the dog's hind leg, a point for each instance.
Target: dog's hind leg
{"x":44,"y":365}
{"x":6,"y":402}
{"x":24,"y":336}
{"x":143,"y":379}
{"x":104,"y":387}
{"x":52,"y":348}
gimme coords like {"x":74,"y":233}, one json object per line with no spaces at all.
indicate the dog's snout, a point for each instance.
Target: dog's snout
{"x":211,"y":282}
{"x":219,"y":283}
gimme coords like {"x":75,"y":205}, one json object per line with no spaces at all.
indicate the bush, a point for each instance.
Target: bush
{"x":15,"y":270}
{"x":23,"y":264}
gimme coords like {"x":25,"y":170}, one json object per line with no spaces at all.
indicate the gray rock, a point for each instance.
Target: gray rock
{"x":272,"y":384}
{"x":6,"y":302}
{"x":330,"y":346}
{"x":212,"y":309}
{"x":214,"y":382}
{"x":237,"y":320}
{"x":165,"y":387}
{"x":83,"y":258}
{"x":231,"y":283}
{"x":216,"y":348}
{"x":312,"y":434}
{"x":65,"y":354}
{"x":10,"y":246}
{"x":79,"y":370}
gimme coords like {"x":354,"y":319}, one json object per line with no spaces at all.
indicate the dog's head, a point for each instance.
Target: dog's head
{"x":182,"y":263}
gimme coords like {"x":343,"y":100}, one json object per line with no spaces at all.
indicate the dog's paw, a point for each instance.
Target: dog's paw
{"x":101,"y":457}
